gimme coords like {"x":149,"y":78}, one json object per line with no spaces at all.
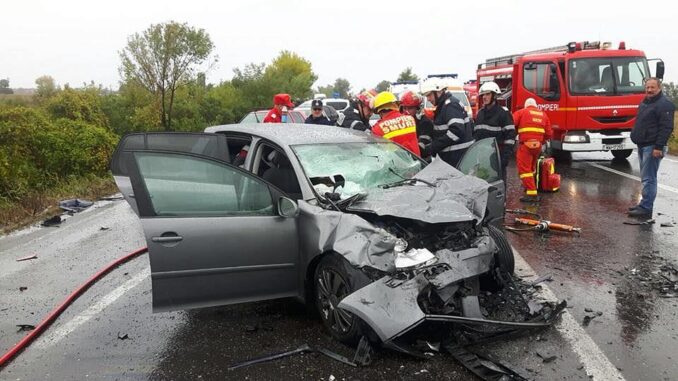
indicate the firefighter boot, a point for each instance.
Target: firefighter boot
{"x":530,"y":197}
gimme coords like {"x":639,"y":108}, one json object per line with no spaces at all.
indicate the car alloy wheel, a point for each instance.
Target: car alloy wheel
{"x":331,"y":289}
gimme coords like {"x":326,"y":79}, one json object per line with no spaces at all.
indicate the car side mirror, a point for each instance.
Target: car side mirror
{"x":659,"y":72}
{"x":287,"y":208}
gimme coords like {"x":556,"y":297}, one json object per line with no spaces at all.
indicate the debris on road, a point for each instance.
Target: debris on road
{"x":363,"y":354}
{"x":75,"y":205}
{"x":587,"y":320}
{"x":639,"y":222}
{"x":483,"y":366}
{"x":23,"y":288}
{"x":103,"y":228}
{"x":52,"y":221}
{"x":537,"y":224}
{"x":302,"y":349}
{"x":123,"y":337}
{"x":25,"y":327}
{"x":546,"y":358}
{"x":543,"y":278}
{"x":667,"y":224}
{"x":34,"y":256}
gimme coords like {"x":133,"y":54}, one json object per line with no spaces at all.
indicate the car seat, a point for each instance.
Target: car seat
{"x":281,"y":174}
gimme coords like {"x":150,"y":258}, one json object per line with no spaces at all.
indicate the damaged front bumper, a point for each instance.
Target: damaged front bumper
{"x":391,"y":305}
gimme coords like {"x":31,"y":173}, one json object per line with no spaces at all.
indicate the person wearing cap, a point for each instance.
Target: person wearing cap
{"x":393,"y":125}
{"x":281,"y":103}
{"x":452,"y":127}
{"x":357,"y":115}
{"x":534,"y":130}
{"x":317,"y":116}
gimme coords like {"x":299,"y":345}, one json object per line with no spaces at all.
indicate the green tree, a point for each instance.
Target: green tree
{"x":382,"y":86}
{"x":671,"y":91}
{"x":46,"y":87}
{"x":79,"y":105}
{"x":4,"y":87}
{"x":292,"y":74}
{"x":164,"y":57}
{"x":342,"y":86}
{"x":407,"y":75}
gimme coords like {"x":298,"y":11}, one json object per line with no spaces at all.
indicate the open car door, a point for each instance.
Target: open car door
{"x":215,"y":233}
{"x":482,"y":160}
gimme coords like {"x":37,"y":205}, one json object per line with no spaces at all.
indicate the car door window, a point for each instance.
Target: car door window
{"x":541,"y":79}
{"x":482,"y":160}
{"x":186,"y":185}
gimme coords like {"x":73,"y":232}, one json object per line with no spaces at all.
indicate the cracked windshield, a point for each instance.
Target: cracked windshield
{"x":363,"y":165}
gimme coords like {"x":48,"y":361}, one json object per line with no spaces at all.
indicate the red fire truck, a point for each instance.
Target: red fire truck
{"x":590,"y":91}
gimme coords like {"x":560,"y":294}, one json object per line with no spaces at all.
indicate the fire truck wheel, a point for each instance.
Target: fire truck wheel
{"x":622,"y":153}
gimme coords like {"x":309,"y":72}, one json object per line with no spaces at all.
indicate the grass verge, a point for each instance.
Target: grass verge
{"x":41,"y":205}
{"x":673,"y":140}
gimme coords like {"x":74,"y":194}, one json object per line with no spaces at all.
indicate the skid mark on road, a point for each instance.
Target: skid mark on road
{"x":57,"y":335}
{"x":596,"y":364}
{"x":632,"y":177}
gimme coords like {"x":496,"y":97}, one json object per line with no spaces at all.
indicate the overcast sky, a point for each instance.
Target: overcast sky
{"x":362,"y":41}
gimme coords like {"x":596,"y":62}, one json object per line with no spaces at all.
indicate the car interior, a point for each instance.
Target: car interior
{"x":274,"y":166}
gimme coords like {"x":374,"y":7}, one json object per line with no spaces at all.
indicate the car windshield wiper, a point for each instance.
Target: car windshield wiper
{"x":346,"y":203}
{"x":405,"y":181}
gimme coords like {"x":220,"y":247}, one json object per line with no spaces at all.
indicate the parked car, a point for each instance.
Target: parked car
{"x":294,"y":116}
{"x":377,"y":239}
{"x":338,"y":104}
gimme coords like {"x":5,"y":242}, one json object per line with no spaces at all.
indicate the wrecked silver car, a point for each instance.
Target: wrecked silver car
{"x":379,"y":240}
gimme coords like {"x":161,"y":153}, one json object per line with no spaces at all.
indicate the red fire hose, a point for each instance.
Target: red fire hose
{"x":23,"y":343}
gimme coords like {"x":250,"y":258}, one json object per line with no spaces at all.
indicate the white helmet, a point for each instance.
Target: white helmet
{"x":489,"y":87}
{"x":431,"y":84}
{"x":530,"y":102}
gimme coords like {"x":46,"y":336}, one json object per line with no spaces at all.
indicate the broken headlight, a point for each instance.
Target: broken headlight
{"x":414,"y":258}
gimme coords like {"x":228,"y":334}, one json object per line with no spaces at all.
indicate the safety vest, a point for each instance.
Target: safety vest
{"x":399,"y":128}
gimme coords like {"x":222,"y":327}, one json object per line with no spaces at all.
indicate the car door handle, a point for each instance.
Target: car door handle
{"x":167,"y":239}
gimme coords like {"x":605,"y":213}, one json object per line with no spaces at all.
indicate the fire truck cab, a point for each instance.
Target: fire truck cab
{"x":590,"y":92}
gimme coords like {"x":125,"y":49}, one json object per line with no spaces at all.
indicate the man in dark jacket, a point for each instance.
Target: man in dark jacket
{"x":651,"y":133}
{"x":493,"y":121}
{"x":317,"y":116}
{"x":357,"y":115}
{"x":452,"y":128}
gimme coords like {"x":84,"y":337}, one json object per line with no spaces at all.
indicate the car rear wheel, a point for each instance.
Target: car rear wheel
{"x":335,"y":279}
{"x":622,"y":153}
{"x":503,"y":258}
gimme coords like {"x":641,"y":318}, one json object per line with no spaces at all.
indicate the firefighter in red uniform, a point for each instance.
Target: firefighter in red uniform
{"x":410,"y":104}
{"x":279,"y":102}
{"x":393,"y":125}
{"x":534,"y":130}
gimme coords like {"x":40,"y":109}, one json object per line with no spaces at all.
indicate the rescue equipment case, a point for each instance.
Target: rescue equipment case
{"x":546,"y":177}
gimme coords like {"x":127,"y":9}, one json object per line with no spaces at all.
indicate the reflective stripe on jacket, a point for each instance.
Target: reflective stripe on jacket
{"x":532,"y":123}
{"x":399,"y":128}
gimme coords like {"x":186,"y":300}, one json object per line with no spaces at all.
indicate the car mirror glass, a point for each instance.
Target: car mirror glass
{"x":287,"y":208}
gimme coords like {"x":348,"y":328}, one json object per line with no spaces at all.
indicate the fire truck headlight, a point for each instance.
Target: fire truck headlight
{"x":576,"y":138}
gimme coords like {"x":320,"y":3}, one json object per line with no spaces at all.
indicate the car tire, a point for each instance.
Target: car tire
{"x":503,"y":258}
{"x":622,"y":154}
{"x":334,"y":279}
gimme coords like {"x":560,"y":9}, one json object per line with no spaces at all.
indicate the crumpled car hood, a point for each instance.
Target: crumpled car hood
{"x":456,"y":197}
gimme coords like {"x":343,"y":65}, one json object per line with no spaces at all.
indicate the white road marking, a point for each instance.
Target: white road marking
{"x":596,"y":364}
{"x":632,"y":177}
{"x":60,"y":333}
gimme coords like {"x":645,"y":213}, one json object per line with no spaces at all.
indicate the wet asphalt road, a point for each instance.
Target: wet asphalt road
{"x":110,"y":332}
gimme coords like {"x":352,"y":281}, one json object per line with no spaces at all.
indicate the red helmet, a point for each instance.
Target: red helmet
{"x":410,"y":99}
{"x":367,"y":97}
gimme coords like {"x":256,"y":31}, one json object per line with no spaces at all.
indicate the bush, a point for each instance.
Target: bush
{"x":38,"y":153}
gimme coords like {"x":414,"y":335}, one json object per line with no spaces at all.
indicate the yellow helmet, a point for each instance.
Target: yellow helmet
{"x":385,"y":100}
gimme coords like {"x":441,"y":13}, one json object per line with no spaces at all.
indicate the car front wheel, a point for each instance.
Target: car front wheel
{"x":335,"y":279}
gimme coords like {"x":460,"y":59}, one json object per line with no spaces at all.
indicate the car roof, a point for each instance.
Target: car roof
{"x":286,"y":134}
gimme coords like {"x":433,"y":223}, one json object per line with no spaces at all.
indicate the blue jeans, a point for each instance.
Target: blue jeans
{"x":649,"y":166}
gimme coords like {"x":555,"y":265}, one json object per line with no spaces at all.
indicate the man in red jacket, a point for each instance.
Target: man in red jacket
{"x":275,"y":114}
{"x":394,"y":125}
{"x":534,"y":129}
